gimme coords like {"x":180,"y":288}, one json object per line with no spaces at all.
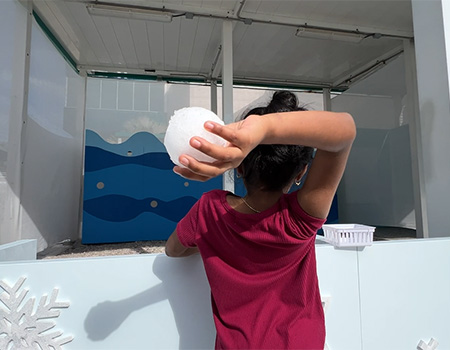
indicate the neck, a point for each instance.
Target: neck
{"x":262,"y":200}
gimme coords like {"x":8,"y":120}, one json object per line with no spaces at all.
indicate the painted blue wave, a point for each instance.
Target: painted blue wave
{"x":117,"y":208}
{"x":137,"y":181}
{"x":97,"y":159}
{"x":145,"y":227}
{"x":139,"y":143}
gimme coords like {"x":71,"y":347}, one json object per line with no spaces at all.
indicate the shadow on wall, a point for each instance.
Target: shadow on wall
{"x":187,"y":292}
{"x":50,"y":185}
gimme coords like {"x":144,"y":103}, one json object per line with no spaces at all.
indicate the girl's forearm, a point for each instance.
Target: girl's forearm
{"x":328,"y":131}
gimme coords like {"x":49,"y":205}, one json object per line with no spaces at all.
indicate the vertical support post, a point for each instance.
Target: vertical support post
{"x":431,"y":20}
{"x":227,"y":89}
{"x":214,"y":96}
{"x":83,"y":157}
{"x":11,"y":226}
{"x":415,"y":141}
{"x":326,"y":99}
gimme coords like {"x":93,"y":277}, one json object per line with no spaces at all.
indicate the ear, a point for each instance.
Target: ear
{"x":239,"y":170}
{"x":301,"y":174}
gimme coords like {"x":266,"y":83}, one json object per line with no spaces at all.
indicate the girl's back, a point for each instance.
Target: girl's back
{"x":258,"y":250}
{"x":262,"y":271}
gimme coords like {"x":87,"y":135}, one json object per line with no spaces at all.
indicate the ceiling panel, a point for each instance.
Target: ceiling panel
{"x":155,"y":33}
{"x":264,"y":49}
{"x":139,"y":34}
{"x":282,"y":55}
{"x":211,"y":50}
{"x":383,"y":15}
{"x":106,"y":31}
{"x":52,"y":11}
{"x":188,"y":32}
{"x":171,"y":44}
{"x":122,"y":31}
{"x":89,"y":31}
{"x":206,"y":32}
{"x":86,"y":54}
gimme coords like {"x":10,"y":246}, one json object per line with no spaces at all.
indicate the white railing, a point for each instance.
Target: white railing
{"x":391,"y":295}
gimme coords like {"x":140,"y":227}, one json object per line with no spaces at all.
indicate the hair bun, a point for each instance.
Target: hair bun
{"x":283,"y":101}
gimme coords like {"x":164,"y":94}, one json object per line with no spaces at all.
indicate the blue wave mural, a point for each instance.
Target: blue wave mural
{"x":138,"y":143}
{"x":122,"y":208}
{"x":134,"y":180}
{"x":97,"y":158}
{"x":131,"y":192}
{"x":137,"y":229}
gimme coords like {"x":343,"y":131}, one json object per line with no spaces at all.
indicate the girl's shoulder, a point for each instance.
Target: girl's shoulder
{"x":213,"y":196}
{"x":296,"y":208}
{"x":216,"y":193}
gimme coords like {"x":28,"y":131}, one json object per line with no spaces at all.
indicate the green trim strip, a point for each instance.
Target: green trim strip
{"x":113,"y":75}
{"x":56,"y":43}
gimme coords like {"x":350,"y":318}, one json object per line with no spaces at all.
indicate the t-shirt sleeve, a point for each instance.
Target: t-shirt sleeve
{"x":308,"y":224}
{"x":187,"y":227}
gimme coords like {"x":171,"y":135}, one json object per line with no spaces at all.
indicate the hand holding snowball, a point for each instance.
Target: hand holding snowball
{"x":217,"y":157}
{"x":185,"y":124}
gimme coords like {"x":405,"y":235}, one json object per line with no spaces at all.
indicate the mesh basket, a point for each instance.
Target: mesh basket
{"x":348,"y":235}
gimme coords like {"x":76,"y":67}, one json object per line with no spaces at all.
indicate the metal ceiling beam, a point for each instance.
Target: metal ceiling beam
{"x":307,"y":23}
{"x":227,"y":90}
{"x":362,"y":72}
{"x":237,"y":15}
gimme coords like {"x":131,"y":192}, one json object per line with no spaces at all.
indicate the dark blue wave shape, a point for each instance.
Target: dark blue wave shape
{"x":139,"y":143}
{"x":97,"y":159}
{"x":119,"y":208}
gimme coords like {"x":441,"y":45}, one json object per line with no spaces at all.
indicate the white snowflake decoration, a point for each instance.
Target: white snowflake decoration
{"x":23,"y":328}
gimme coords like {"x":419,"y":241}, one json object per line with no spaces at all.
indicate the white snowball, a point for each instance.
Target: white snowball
{"x":183,"y":125}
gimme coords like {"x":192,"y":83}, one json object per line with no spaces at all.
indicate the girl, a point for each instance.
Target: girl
{"x":258,"y":250}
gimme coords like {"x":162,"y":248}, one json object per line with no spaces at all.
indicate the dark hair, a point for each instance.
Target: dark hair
{"x":273,"y":167}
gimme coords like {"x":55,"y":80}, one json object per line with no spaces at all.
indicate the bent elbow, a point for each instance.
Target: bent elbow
{"x":350,"y":134}
{"x":170,"y":252}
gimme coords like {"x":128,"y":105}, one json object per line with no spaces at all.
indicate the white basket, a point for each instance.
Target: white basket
{"x":348,"y":235}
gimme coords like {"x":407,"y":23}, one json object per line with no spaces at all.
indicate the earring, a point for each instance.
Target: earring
{"x":298,"y":182}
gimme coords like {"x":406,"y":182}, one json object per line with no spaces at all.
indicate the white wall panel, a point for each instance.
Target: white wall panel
{"x":25,"y":249}
{"x":125,"y":302}
{"x":377,"y":185}
{"x":124,"y":95}
{"x":338,"y":281}
{"x":387,"y":296}
{"x":431,"y":35}
{"x":405,"y":294}
{"x":13,"y":82}
{"x":141,"y":96}
{"x":109,"y":94}
{"x":52,"y":146}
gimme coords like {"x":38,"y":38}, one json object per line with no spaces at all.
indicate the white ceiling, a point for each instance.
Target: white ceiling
{"x":266,"y":51}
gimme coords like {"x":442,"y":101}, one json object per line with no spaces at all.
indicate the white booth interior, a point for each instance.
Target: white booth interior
{"x":65,"y":70}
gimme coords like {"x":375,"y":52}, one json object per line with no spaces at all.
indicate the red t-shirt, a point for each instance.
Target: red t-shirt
{"x":262,"y":272}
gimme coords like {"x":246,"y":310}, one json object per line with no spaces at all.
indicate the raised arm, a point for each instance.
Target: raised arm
{"x":331,"y":133}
